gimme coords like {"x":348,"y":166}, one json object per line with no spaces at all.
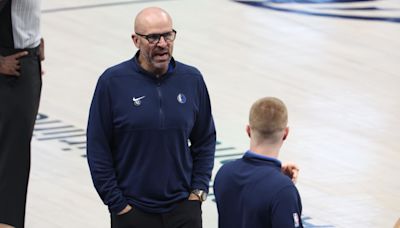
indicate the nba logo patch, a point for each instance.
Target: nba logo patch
{"x":296,"y":220}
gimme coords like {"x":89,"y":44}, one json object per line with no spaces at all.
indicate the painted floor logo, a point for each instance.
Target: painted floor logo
{"x":368,"y":10}
{"x":69,"y":137}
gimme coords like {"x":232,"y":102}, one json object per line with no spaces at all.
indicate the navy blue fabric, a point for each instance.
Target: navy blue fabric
{"x":253,"y":192}
{"x":140,"y":154}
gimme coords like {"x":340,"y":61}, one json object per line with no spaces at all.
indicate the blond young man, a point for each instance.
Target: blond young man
{"x":254,"y":191}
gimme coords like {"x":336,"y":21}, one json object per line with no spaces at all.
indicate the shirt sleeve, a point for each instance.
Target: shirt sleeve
{"x":99,"y":155}
{"x":203,"y":140}
{"x":286,"y":209}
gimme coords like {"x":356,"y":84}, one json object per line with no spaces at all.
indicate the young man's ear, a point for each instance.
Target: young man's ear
{"x":286,"y":132}
{"x":248,"y":130}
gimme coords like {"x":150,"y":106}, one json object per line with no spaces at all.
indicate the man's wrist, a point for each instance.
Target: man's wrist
{"x":200,"y":194}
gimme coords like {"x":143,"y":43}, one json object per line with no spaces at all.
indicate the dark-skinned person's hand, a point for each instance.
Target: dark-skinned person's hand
{"x":9,"y":65}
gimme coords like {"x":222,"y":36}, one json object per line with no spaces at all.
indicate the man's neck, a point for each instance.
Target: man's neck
{"x":270,"y":150}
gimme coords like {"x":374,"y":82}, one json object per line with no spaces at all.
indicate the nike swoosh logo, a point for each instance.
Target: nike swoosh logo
{"x":138,"y":99}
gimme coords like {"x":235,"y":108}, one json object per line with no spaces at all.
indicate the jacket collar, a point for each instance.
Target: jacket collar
{"x":249,"y":155}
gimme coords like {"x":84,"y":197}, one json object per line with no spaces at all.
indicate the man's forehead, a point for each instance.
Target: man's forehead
{"x":152,"y":14}
{"x":153,"y":20}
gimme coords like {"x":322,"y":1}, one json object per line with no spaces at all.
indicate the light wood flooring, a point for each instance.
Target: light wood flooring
{"x":340,"y":78}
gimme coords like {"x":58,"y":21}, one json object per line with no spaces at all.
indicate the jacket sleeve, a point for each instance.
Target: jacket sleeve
{"x":203,"y":140}
{"x":99,"y":149}
{"x":286,"y":208}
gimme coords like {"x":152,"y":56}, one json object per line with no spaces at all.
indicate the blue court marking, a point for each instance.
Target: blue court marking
{"x":71,"y":8}
{"x":266,"y":5}
{"x":61,"y":132}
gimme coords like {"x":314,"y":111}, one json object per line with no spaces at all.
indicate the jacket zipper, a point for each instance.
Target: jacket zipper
{"x":161,"y":112}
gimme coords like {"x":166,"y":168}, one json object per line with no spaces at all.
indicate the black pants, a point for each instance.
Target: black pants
{"x":186,"y":215}
{"x":19,"y":102}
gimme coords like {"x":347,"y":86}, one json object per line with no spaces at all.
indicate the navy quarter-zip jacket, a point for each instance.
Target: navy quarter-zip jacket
{"x":150,"y":141}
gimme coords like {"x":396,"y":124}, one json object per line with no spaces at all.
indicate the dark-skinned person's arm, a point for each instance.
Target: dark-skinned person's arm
{"x":42,"y":53}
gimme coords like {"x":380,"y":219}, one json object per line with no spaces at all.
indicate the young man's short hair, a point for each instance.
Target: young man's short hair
{"x":268,"y":116}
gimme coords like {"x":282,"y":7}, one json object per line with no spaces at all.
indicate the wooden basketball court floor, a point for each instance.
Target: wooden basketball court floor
{"x":337,"y":70}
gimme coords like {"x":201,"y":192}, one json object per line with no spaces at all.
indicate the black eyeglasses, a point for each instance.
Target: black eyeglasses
{"x":155,"y":38}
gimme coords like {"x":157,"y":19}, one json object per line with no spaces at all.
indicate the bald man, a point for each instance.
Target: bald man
{"x":150,"y":135}
{"x":254,"y":191}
